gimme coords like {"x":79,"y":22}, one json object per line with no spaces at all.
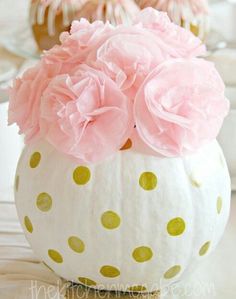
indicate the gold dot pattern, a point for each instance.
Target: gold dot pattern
{"x":81,"y":175}
{"x":172,"y":272}
{"x":176,"y":227}
{"x":137,"y":288}
{"x":55,"y":256}
{"x":142,"y":254}
{"x":219,"y":204}
{"x":109,"y":271}
{"x":204,"y":249}
{"x":195,"y":183}
{"x":76,"y":244}
{"x":44,"y":202}
{"x":28,"y":224}
{"x":127,"y":145}
{"x":87,"y":281}
{"x":110,"y":220}
{"x":35,"y":160}
{"x":148,"y":181}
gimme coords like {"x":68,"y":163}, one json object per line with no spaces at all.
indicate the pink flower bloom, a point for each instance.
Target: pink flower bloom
{"x":132,"y":52}
{"x":76,"y":45}
{"x":25,"y":97}
{"x":180,"y":106}
{"x":85,"y":115}
{"x":181,"y":41}
{"x":129,"y":55}
{"x":80,"y":97}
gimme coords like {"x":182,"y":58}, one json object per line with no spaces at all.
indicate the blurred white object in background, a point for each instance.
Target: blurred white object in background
{"x":11,"y":145}
{"x":223,"y":46}
{"x":225,"y":62}
{"x":15,"y":31}
{"x":7,"y":70}
{"x":223,"y":19}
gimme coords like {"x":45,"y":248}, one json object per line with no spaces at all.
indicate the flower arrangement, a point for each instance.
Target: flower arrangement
{"x":99,"y":196}
{"x":89,"y":94}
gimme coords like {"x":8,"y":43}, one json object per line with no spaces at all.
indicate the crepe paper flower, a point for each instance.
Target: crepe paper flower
{"x":132,"y":52}
{"x":85,"y":96}
{"x":75,"y":47}
{"x":180,"y":106}
{"x":128,"y":56}
{"x":25,"y":98}
{"x":182,"y":42}
{"x":190,"y":14}
{"x":124,"y":53}
{"x":85,"y":115}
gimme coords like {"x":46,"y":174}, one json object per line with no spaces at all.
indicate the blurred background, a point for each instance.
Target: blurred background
{"x":29,"y":27}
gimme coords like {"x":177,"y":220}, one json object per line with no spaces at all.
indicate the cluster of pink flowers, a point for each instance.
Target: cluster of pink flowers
{"x":86,"y":95}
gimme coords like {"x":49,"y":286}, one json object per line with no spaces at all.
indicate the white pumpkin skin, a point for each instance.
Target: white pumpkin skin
{"x":190,"y":188}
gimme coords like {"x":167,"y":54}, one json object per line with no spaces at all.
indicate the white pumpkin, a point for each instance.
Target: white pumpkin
{"x":133,"y":222}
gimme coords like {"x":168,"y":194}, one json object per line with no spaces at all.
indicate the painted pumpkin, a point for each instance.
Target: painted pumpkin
{"x":106,"y":214}
{"x":132,"y":222}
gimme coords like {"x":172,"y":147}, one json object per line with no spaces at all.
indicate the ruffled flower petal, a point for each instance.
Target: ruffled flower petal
{"x":85,"y":115}
{"x":180,"y":106}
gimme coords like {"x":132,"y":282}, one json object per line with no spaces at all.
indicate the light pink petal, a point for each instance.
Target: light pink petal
{"x":180,"y":106}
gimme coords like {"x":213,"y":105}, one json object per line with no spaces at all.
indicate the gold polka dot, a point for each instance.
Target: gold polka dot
{"x":148,"y":181}
{"x":86,"y":281}
{"x":55,"y":256}
{"x":127,"y":145}
{"x":176,"y":226}
{"x":76,"y":244}
{"x":81,"y":175}
{"x":35,"y":159}
{"x":172,"y":272}
{"x":17,"y":181}
{"x":110,"y":271}
{"x":195,"y":183}
{"x":142,"y":254}
{"x":138,"y":288}
{"x":44,"y":202}
{"x":204,"y":249}
{"x":28,"y":224}
{"x":110,"y":220}
{"x":219,"y":204}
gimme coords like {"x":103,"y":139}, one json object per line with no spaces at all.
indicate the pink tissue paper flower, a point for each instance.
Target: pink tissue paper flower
{"x":85,"y":115}
{"x":180,"y":106}
{"x":25,"y":98}
{"x":125,"y":53}
{"x":86,"y":94}
{"x":77,"y":44}
{"x":182,"y":42}
{"x":129,"y":55}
